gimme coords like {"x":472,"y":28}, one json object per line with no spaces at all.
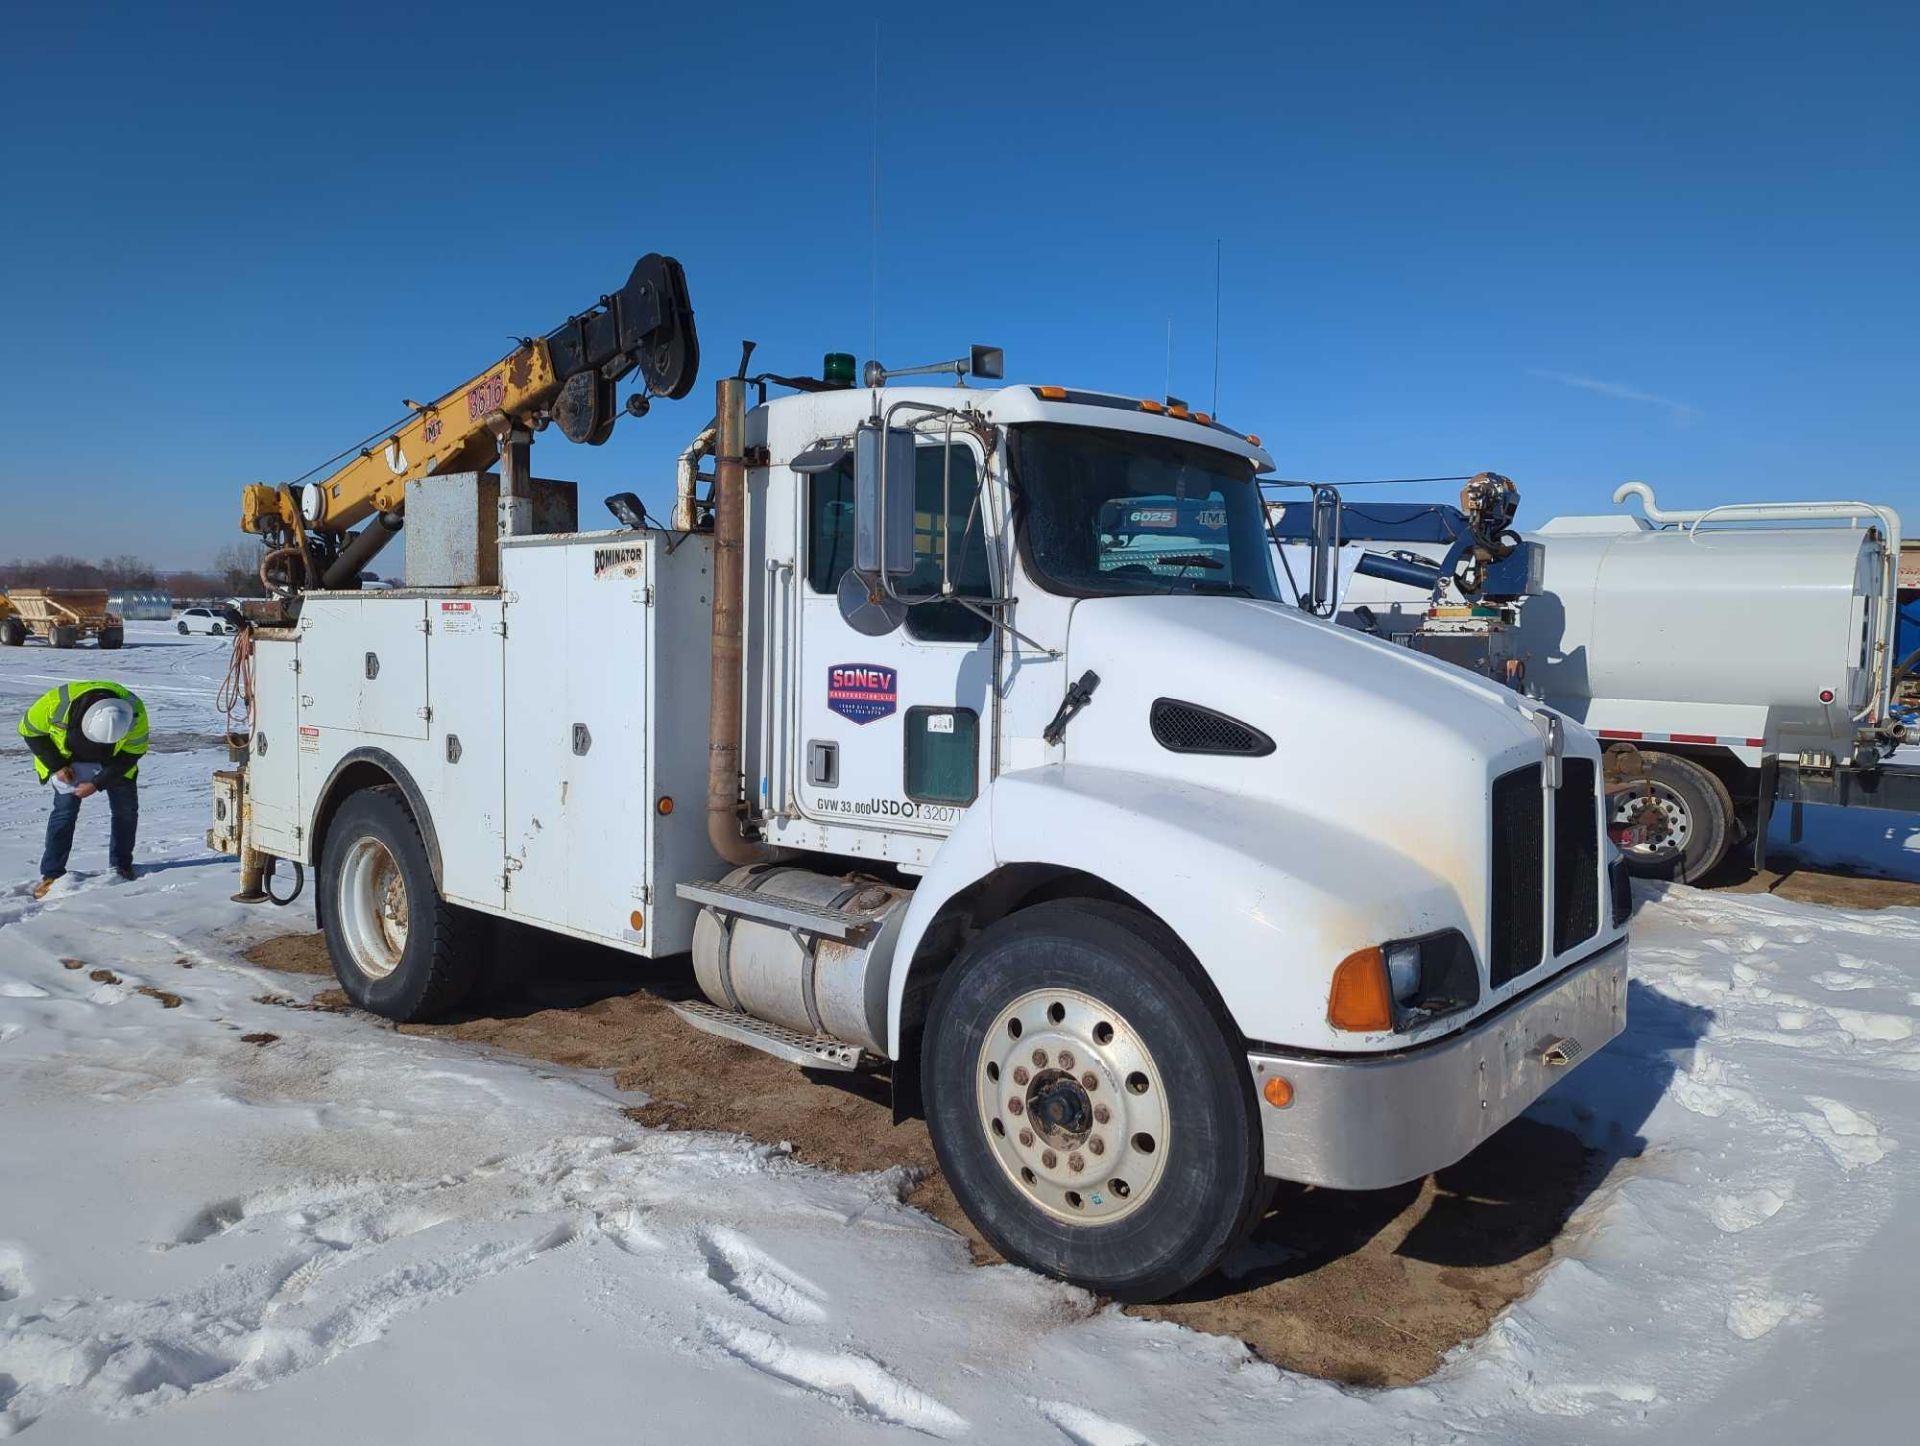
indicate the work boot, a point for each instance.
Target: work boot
{"x":125,"y":874}
{"x":40,"y":889}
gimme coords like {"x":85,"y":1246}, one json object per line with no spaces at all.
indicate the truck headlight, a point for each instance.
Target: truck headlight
{"x":1403,"y":970}
{"x":1402,"y":984}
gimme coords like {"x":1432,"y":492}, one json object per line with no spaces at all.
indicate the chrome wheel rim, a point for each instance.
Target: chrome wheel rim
{"x":1073,"y":1106}
{"x":372,"y":904}
{"x":1669,"y":815}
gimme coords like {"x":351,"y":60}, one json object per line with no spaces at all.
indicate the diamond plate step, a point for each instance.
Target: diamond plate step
{"x":785,"y":913}
{"x":813,"y":1051}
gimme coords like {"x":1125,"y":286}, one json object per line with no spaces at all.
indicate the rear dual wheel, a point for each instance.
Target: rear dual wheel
{"x":1086,"y":1104}
{"x":397,"y":947}
{"x":1687,"y":815}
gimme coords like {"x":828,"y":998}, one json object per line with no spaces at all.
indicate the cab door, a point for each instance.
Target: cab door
{"x":891,"y":731}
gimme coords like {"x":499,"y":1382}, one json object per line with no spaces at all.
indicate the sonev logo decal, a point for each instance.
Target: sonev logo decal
{"x":862,"y":692}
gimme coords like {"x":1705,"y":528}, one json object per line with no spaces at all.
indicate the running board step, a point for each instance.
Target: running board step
{"x":812,"y":1051}
{"x":783,"y":913}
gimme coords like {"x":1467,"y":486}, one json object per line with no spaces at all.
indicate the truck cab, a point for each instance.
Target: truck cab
{"x":1022,"y":785}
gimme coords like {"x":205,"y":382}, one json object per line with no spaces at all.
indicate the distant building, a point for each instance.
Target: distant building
{"x":141,"y":605}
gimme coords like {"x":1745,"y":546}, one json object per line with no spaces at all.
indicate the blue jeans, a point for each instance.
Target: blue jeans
{"x":123,"y":799}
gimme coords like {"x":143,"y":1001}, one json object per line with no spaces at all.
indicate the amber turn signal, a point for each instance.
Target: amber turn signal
{"x":1053,"y":394}
{"x":1359,"y":1000}
{"x":1277,"y":1092}
{"x":665,"y":805}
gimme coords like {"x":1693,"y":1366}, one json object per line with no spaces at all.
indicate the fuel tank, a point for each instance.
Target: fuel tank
{"x":800,"y":980}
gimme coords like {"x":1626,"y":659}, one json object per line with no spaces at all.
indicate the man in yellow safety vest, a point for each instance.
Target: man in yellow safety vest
{"x":87,"y":738}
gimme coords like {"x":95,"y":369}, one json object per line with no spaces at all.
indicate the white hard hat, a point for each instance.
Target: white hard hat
{"x":108,"y":721}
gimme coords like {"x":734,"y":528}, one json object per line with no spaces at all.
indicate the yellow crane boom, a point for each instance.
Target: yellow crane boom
{"x":566,"y":377}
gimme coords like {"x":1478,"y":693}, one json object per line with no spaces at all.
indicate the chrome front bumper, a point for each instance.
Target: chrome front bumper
{"x":1360,"y":1122}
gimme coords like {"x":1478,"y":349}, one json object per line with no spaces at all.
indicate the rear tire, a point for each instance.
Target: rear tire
{"x":64,"y":635}
{"x":1134,"y":1187}
{"x":1696,"y":812}
{"x":398,"y":948}
{"x":111,"y":638}
{"x":13,"y":632}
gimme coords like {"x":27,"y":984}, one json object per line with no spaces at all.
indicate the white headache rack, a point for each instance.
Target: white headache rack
{"x":810,"y":1051}
{"x":745,"y":902}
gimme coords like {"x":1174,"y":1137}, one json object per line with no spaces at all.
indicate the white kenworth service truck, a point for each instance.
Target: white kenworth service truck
{"x":961,"y":733}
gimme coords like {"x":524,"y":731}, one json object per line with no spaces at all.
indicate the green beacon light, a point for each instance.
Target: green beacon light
{"x":836,"y":368}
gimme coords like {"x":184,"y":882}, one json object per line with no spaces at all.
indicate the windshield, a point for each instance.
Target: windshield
{"x":1105,"y":513}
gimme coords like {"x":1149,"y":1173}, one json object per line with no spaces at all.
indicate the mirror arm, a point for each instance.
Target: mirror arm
{"x":986,"y":611}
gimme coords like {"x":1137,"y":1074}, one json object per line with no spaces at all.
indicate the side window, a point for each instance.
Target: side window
{"x":829,"y":527}
{"x":948,"y":622}
{"x":830,"y":541}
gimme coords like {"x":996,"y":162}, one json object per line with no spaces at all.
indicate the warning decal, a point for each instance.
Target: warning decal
{"x":458,"y":617}
{"x":862,"y":692}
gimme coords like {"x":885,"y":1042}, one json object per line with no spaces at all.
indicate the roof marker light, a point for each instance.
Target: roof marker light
{"x":1203,"y":418}
{"x":1254,"y":438}
{"x":1052,"y":394}
{"x":1147,"y":406}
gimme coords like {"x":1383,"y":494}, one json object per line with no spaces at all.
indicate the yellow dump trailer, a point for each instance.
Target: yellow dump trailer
{"x":62,"y":616}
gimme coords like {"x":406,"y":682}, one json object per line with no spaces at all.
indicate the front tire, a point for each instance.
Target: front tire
{"x":182,"y":627}
{"x":1693,"y":813}
{"x":1090,"y":1112}
{"x":13,"y":632}
{"x":398,"y":949}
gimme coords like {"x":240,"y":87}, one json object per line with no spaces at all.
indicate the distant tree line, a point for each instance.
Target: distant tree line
{"x":232,"y":573}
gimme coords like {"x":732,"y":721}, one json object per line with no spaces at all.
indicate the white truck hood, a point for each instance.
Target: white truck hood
{"x":1376,"y":745}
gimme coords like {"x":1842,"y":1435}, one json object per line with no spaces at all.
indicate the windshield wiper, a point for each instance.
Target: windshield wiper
{"x":1220,"y":588}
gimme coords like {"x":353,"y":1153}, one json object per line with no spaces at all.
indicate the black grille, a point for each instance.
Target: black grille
{"x":1519,"y":831}
{"x":1576,"y":856}
{"x":1189,"y":728}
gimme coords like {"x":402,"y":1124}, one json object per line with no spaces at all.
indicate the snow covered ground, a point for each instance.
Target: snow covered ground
{"x":343,"y":1233}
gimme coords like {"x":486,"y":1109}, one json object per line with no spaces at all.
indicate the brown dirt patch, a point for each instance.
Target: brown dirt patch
{"x":104,"y":976}
{"x":262,"y":1039}
{"x":166,"y":997}
{"x":73,"y":963}
{"x":1368,"y":1288}
{"x":1846,"y":891}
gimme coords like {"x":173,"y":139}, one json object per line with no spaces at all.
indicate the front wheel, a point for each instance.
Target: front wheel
{"x":182,"y":627}
{"x":13,"y":632}
{"x":397,"y":947}
{"x":1085,"y":1102}
{"x":1688,"y":820}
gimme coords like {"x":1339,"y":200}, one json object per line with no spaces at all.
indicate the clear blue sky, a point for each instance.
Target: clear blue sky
{"x":1573,"y":243}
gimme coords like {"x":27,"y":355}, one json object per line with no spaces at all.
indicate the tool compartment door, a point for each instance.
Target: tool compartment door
{"x":578,"y":800}
{"x":363,"y":665}
{"x":273,"y":772}
{"x":463,"y":769}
